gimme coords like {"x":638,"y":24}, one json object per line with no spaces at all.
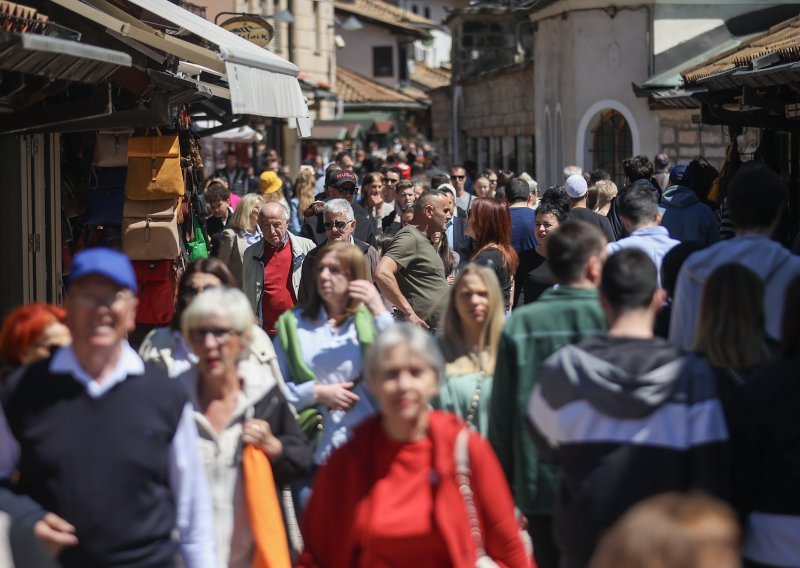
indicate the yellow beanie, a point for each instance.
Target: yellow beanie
{"x":269,"y":182}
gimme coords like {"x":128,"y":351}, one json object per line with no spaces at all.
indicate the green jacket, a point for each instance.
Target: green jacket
{"x":559,"y":317}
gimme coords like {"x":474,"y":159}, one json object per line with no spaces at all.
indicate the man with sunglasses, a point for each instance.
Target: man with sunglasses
{"x":458,"y":177}
{"x":104,"y":446}
{"x":339,"y":184}
{"x":339,"y":226}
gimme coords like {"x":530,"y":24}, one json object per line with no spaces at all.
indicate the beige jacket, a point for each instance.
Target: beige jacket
{"x":231,"y":252}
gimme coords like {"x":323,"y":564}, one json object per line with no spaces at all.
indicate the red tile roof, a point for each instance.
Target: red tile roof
{"x":356,"y":88}
{"x":383,"y":13}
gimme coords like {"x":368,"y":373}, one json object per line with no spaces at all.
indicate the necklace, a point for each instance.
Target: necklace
{"x":476,"y":395}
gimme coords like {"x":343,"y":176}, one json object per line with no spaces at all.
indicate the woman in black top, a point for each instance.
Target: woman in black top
{"x":534,"y":275}
{"x":489,"y":224}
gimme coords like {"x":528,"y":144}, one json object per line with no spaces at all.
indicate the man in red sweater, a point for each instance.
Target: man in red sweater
{"x":272,"y":266}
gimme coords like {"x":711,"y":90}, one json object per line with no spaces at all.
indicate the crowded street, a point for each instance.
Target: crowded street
{"x":266,"y":305}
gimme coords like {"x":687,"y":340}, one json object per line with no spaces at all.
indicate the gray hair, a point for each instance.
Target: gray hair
{"x":283,"y":207}
{"x":228,"y":303}
{"x":420,"y":342}
{"x":339,"y":207}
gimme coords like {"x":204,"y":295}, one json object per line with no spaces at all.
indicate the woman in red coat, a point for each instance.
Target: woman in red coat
{"x":389,"y":497}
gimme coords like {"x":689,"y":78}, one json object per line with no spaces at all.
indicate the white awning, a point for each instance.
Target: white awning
{"x":261,"y":83}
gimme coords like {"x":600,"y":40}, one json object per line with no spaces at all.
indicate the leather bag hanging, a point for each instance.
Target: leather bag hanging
{"x":158,"y":284}
{"x":154,"y":168}
{"x":150,"y":229}
{"x":111,"y":148}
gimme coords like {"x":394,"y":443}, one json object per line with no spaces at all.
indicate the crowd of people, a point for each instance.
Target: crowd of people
{"x":380,"y":366}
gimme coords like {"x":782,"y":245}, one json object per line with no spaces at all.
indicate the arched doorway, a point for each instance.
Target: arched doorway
{"x":610,"y":142}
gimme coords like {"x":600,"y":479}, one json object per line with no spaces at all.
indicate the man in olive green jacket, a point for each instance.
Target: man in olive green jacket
{"x":563,"y":315}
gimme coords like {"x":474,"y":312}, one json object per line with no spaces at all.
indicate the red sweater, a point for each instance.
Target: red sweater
{"x":278,"y":291}
{"x":344,"y":516}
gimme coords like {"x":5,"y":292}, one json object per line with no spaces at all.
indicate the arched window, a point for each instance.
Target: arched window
{"x":611,"y":143}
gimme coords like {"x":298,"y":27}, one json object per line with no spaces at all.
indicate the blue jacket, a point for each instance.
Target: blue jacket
{"x":686,"y":217}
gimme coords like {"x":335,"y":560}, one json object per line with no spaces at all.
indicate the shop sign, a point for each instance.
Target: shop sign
{"x":252,"y":28}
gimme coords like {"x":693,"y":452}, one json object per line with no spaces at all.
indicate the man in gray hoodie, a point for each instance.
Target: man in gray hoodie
{"x":625,"y":414}
{"x":756,"y":198}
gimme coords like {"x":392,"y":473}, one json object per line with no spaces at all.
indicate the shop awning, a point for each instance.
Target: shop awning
{"x":58,"y":59}
{"x":261,"y":83}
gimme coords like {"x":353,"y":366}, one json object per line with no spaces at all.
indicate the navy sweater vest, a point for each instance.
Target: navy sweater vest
{"x":102,"y":464}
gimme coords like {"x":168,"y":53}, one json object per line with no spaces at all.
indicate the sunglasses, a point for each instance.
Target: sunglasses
{"x":459,"y":177}
{"x":349,"y":190}
{"x":340,"y":225}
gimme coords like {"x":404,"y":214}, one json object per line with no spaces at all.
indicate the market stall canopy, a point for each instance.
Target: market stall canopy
{"x":241,"y":134}
{"x":260,"y":82}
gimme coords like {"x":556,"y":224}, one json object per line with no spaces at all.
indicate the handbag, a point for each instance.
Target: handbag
{"x":154,"y":168}
{"x":158,"y":283}
{"x":465,"y":488}
{"x":111,"y":148}
{"x":197,"y":245}
{"x":150,"y":229}
{"x":105,"y":196}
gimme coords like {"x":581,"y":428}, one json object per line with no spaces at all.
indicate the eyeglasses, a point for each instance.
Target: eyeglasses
{"x":221,"y":335}
{"x":348,"y":190}
{"x":191,"y":290}
{"x":340,"y":225}
{"x":459,"y":177}
{"x":88,"y":300}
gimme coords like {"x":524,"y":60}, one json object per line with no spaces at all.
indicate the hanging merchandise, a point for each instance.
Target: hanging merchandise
{"x":157,"y":281}
{"x":150,"y":229}
{"x":105,"y":196}
{"x":111,"y":148}
{"x":196,"y":242}
{"x":154,"y":168}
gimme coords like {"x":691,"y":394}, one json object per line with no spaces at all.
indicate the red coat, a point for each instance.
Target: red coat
{"x":338,"y":511}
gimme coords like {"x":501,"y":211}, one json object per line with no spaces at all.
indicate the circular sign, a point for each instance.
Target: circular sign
{"x":252,"y":28}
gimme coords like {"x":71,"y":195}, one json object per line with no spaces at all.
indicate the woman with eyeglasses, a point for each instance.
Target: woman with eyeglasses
{"x":166,"y":346}
{"x":372,"y":201}
{"x":235,"y":404}
{"x":320,"y":346}
{"x":489,"y":224}
{"x":242,"y":233}
{"x":32,"y":332}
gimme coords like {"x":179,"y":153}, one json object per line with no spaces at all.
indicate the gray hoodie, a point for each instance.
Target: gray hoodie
{"x":774,"y":264}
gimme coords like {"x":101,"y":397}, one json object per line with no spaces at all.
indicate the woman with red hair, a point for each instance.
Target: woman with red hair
{"x":31,"y":333}
{"x":489,"y":224}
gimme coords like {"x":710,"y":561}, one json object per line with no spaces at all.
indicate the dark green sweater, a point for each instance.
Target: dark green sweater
{"x":559,"y":317}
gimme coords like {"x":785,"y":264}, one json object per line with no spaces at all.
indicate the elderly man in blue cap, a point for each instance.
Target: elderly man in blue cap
{"x":102,"y":449}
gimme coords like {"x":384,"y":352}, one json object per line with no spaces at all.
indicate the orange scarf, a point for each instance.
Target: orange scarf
{"x":264,"y":511}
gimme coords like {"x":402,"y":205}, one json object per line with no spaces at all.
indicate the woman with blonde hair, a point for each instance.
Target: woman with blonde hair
{"x":606,"y":190}
{"x":304,"y":187}
{"x":471,"y":329}
{"x":242,"y":233}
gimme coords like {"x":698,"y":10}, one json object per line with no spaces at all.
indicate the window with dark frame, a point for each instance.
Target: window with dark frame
{"x":382,"y":61}
{"x":612,"y":144}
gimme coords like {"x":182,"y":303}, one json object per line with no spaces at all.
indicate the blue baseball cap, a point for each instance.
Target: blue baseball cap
{"x":105,"y":262}
{"x":677,"y":172}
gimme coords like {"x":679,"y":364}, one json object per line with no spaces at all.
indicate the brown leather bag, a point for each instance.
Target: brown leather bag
{"x":154,"y":168}
{"x":150,"y":229}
